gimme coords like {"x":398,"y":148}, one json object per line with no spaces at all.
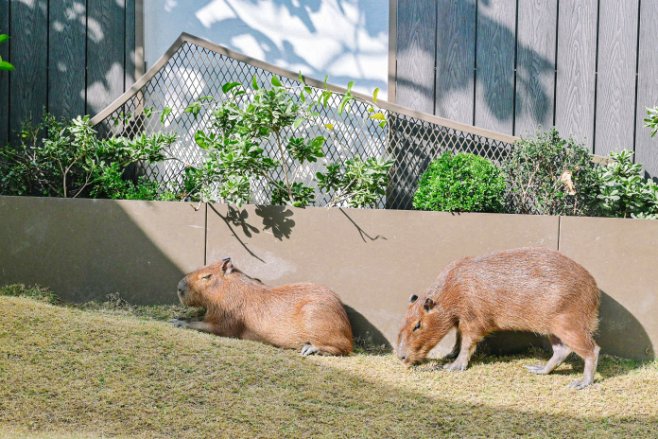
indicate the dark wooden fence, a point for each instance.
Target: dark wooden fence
{"x":589,"y":67}
{"x":71,"y":56}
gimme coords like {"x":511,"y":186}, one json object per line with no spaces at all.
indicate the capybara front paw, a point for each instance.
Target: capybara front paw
{"x":455,"y":366}
{"x":579,"y":384}
{"x":537,"y":369}
{"x":178,"y":323}
{"x":308,"y":349}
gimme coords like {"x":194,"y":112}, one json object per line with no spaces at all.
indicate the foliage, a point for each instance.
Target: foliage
{"x":460,"y":183}
{"x":69,"y":160}
{"x":252,"y":120}
{"x":624,"y":192}
{"x":4,"y":65}
{"x":651,"y":121}
{"x":549,"y":175}
{"x":34,"y":292}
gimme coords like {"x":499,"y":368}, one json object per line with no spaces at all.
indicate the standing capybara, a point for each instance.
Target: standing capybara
{"x":526,"y":289}
{"x":302,"y":316}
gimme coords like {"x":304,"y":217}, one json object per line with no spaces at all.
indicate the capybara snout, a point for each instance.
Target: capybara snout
{"x":527,"y":289}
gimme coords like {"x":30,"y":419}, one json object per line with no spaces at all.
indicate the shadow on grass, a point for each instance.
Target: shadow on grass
{"x":91,"y":377}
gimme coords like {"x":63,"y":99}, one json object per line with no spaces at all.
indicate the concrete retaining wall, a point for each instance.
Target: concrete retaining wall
{"x":374,"y":259}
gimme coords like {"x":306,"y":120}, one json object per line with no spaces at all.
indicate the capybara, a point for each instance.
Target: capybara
{"x":302,"y":316}
{"x":525,"y":289}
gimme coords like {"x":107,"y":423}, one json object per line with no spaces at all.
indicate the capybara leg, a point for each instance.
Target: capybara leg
{"x":582,"y":343}
{"x":591,"y":362}
{"x":560,"y":353}
{"x":455,"y":349}
{"x":308,"y":349}
{"x":196,"y":325}
{"x":468,"y":344}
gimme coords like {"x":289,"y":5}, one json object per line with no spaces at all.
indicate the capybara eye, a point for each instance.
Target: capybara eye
{"x":207,"y":276}
{"x":417,"y":326}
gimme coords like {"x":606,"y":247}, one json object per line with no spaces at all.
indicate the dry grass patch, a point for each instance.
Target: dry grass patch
{"x":68,"y":372}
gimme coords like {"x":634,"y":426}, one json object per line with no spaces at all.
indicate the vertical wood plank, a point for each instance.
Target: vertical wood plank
{"x":615,"y":89}
{"x":416,"y":52}
{"x":455,"y":60}
{"x":535,"y":71}
{"x":576,"y":67}
{"x":106,"y":47}
{"x":129,"y":51}
{"x":646,"y":147}
{"x":29,"y":54}
{"x":4,"y":76}
{"x":496,"y":40}
{"x":66,"y":79}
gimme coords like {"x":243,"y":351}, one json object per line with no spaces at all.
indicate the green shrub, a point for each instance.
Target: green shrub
{"x":624,"y":192}
{"x":33,"y":292}
{"x":68,"y":159}
{"x":460,"y":183}
{"x":549,"y":175}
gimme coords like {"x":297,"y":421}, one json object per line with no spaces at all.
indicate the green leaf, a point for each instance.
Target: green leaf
{"x":194,"y":109}
{"x":148,"y":111}
{"x":375,"y":93}
{"x":378,"y":116}
{"x":230,"y":86}
{"x":350,"y":85}
{"x":297,"y":122}
{"x":254,"y":83}
{"x":329,"y":126}
{"x":276,"y":81}
{"x":4,"y":65}
{"x":202,"y":140}
{"x":300,"y":78}
{"x":3,"y":38}
{"x":166,"y":111}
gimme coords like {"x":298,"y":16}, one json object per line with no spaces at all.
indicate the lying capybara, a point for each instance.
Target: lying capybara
{"x":302,"y":316}
{"x":526,"y":289}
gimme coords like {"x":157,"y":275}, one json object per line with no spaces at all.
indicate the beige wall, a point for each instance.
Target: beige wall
{"x":374,"y":259}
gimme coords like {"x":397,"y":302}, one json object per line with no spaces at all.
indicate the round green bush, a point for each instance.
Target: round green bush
{"x":460,"y":183}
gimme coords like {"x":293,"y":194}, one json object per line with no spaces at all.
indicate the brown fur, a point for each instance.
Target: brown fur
{"x":301,"y":316}
{"x":526,"y":289}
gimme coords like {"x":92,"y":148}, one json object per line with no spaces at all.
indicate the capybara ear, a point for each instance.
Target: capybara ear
{"x":227,"y":266}
{"x":413,"y":298}
{"x":429,"y":304}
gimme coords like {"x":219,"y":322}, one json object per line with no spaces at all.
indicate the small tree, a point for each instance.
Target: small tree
{"x":250,"y":119}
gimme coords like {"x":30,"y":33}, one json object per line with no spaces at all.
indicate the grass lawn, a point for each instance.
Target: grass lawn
{"x":69,"y":372}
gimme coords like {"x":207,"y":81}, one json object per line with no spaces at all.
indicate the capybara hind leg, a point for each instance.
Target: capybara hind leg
{"x":310,"y":349}
{"x":560,"y":353}
{"x":468,"y":344}
{"x":591,"y":361}
{"x":582,"y":343}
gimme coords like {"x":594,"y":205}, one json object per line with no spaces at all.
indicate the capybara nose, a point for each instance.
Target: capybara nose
{"x":182,"y":287}
{"x":402,"y":357}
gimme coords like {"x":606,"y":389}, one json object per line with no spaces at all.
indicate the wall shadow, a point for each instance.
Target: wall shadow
{"x":84,"y":250}
{"x":366,"y":335}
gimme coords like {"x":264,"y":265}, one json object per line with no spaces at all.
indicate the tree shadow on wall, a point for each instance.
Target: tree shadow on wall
{"x":456,"y":63}
{"x":71,"y":58}
{"x":225,"y":18}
